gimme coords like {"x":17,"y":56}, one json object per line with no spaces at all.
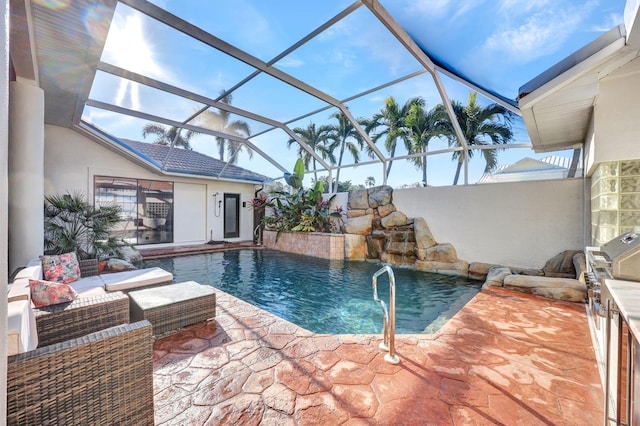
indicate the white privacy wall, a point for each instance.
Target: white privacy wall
{"x":516,"y":224}
{"x":196,"y":217}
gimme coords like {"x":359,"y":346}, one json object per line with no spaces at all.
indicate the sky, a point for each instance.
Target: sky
{"x":498,"y":44}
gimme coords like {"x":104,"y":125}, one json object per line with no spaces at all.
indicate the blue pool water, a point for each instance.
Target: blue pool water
{"x":325,"y":296}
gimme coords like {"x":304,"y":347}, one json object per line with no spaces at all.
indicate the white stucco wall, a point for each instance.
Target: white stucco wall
{"x":67,"y":171}
{"x":517,"y":223}
{"x":4,"y":200}
{"x":616,"y":113}
{"x":26,"y":164}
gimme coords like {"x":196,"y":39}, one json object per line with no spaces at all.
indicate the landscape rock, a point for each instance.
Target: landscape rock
{"x":358,"y":199}
{"x":570,"y":290}
{"x":424,"y":238}
{"x":401,"y":248}
{"x":118,"y":265}
{"x":402,"y":235}
{"x":458,"y":268}
{"x":397,"y":259}
{"x":379,"y":195}
{"x":355,"y":247}
{"x":358,"y":225}
{"x":375,"y":245}
{"x":527,"y":271}
{"x":496,"y":276}
{"x":561,"y":265}
{"x":356,"y":213}
{"x":479,"y":270}
{"x":386,"y":210}
{"x":130,"y":254}
{"x":393,"y":219}
{"x":580,"y":265}
{"x":444,"y":253}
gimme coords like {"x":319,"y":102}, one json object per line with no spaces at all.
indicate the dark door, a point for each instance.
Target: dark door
{"x":231,"y":215}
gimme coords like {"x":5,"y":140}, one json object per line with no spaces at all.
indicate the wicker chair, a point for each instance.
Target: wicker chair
{"x":101,"y":378}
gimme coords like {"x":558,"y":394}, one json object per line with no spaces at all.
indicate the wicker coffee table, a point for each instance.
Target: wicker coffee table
{"x":173,"y":306}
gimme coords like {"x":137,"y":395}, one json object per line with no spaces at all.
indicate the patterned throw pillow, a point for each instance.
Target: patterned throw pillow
{"x":45,"y":293}
{"x":62,"y":268}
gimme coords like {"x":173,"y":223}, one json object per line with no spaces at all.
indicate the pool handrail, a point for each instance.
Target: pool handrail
{"x":389,"y":316}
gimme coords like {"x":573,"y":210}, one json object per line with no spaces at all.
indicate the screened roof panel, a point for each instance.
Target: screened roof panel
{"x":265,"y":28}
{"x":501,"y":45}
{"x":268,"y":96}
{"x":356,"y":54}
{"x":143,"y":45}
{"x":138,"y":97}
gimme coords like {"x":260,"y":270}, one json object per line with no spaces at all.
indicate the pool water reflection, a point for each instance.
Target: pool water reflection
{"x":323,"y":296}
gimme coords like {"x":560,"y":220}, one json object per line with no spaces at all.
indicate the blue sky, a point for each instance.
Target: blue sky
{"x":498,"y":44}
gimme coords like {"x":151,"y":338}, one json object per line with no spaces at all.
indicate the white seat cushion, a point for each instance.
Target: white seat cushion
{"x":89,"y":286}
{"x":22,"y":334}
{"x":127,"y":280}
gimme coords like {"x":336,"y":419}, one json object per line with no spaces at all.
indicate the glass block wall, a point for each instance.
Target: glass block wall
{"x":615,"y":200}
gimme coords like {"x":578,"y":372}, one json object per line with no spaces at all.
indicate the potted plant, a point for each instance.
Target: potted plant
{"x":72,"y":224}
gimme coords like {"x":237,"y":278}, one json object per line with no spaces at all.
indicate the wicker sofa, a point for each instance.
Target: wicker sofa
{"x":90,"y":365}
{"x":104,"y":377}
{"x":100,"y":304}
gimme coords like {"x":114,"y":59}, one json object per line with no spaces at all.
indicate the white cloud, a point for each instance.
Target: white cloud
{"x":610,"y":21}
{"x":438,"y":9}
{"x":521,"y":6}
{"x":428,"y":8}
{"x":542,"y":33}
{"x":289,"y":62}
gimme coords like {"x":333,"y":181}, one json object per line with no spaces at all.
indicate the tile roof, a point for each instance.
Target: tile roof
{"x":190,"y":162}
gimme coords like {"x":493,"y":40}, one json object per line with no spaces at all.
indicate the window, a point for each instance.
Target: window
{"x":147,"y":208}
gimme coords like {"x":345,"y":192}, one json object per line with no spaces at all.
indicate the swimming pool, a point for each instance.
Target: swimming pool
{"x":323,"y":296}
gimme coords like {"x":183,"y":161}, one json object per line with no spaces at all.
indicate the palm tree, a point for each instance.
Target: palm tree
{"x":423,"y":126}
{"x":344,"y":135}
{"x":370,"y":181}
{"x":71,"y":223}
{"x":392,"y":119}
{"x":490,"y":125}
{"x":220,"y":121}
{"x":316,"y":139}
{"x":166,"y":136}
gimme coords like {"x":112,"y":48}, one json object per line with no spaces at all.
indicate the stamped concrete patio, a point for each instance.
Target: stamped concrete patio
{"x":506,"y":359}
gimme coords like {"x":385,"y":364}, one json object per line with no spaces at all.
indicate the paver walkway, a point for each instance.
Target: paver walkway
{"x":505,"y":359}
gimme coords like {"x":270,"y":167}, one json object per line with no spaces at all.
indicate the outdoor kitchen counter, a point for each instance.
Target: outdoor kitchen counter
{"x":626,"y":295}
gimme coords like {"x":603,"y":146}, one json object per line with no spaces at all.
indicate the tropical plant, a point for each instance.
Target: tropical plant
{"x":72,"y":224}
{"x":423,"y":126}
{"x":481,"y":126}
{"x":345,"y":136}
{"x":370,"y":181}
{"x":220,"y":121}
{"x":316,"y":139}
{"x":166,"y":136}
{"x":300,"y":210}
{"x":391,"y":121}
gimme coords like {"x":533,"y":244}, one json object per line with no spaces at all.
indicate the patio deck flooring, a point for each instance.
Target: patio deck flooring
{"x":506,"y":358}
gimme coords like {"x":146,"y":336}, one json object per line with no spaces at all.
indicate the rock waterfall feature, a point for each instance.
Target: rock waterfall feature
{"x":376,"y":230}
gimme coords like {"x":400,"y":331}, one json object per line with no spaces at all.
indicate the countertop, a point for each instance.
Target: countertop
{"x":626,"y":294}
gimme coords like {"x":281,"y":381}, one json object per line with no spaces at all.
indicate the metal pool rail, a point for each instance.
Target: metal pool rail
{"x":389,"y":315}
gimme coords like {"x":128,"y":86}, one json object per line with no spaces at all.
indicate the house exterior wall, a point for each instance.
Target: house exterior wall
{"x":4,"y":199}
{"x":516,"y":223}
{"x":616,"y":123}
{"x":613,"y":156}
{"x":195,"y":219}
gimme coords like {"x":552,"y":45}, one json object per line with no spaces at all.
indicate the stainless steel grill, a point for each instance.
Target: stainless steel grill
{"x":617,"y":259}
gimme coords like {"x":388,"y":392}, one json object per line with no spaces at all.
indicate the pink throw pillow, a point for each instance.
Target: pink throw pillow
{"x":62,"y":268}
{"x":45,"y":293}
